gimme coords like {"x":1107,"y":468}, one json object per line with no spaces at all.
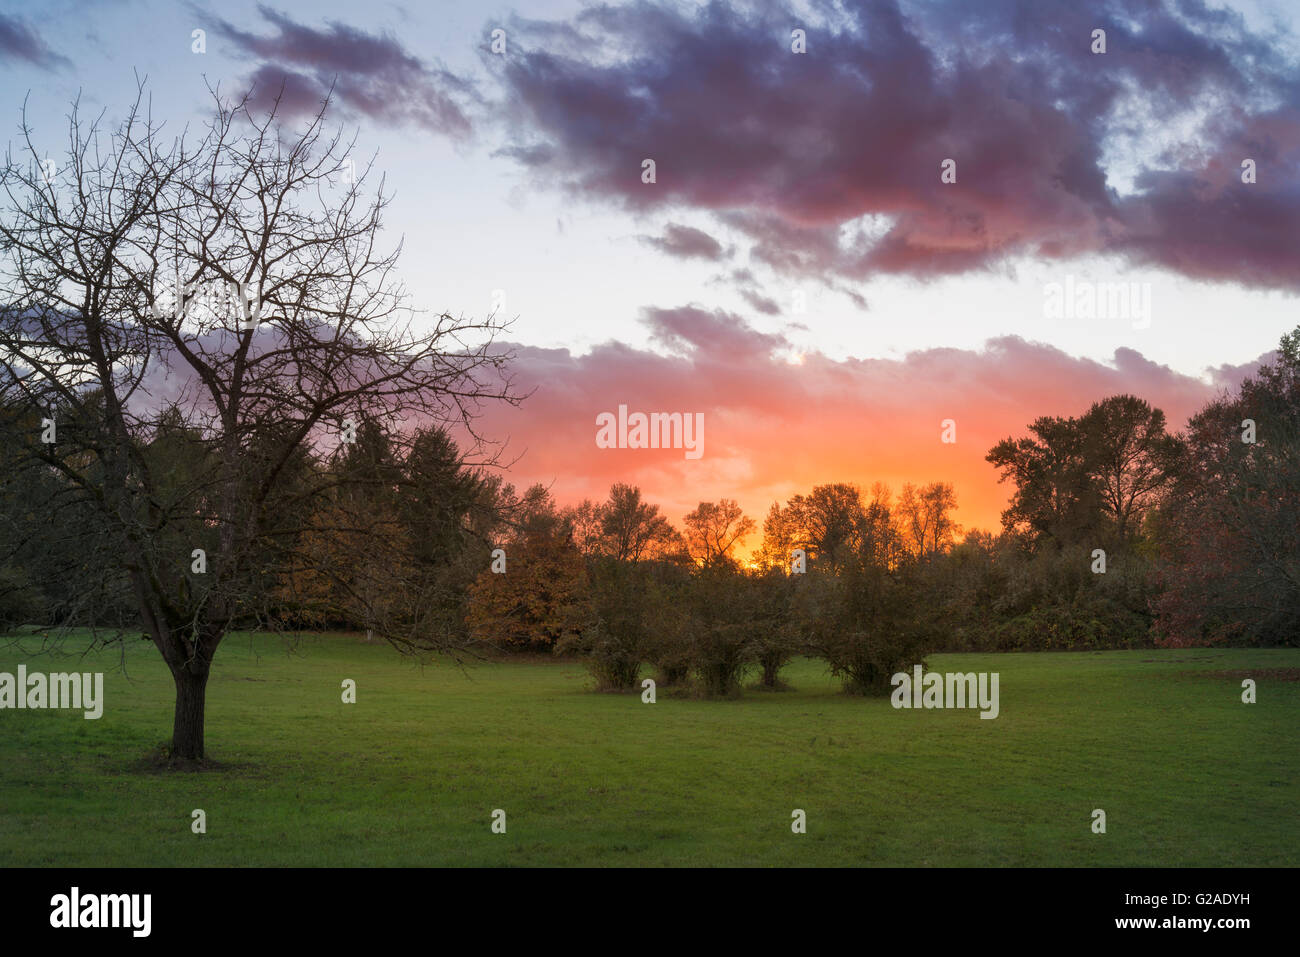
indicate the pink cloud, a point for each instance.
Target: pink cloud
{"x":774,"y":428}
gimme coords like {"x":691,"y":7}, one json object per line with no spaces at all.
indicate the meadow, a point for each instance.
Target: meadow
{"x":410,"y":774}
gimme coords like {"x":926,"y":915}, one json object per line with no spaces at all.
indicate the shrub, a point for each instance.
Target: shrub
{"x":868,"y":622}
{"x":623,"y":598}
{"x":726,"y":617}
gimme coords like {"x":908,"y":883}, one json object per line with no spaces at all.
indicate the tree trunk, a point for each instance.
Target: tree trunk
{"x":187,"y":725}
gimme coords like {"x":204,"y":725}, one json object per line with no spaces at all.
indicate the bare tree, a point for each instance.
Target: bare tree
{"x":715,"y":529}
{"x":828,"y":521}
{"x":925,"y":515}
{"x":202,"y":318}
{"x":633,"y":529}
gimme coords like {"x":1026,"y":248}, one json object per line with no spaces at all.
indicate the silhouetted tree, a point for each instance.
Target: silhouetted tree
{"x":715,"y":529}
{"x":228,"y":280}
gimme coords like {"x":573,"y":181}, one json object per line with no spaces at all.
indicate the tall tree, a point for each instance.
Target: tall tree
{"x":1056,"y":497}
{"x":827,"y":521}
{"x":228,"y":278}
{"x":925,"y":513}
{"x":632,"y":529}
{"x":779,"y":538}
{"x":1131,"y":458}
{"x":879,"y":543}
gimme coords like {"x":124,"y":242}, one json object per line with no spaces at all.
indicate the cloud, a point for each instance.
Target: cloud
{"x":18,"y":41}
{"x":371,"y":75}
{"x":760,"y":302}
{"x":686,"y":242}
{"x":776,"y":427}
{"x":829,"y":160}
{"x":717,"y":333}
{"x":1228,"y":378}
{"x":746,"y":285}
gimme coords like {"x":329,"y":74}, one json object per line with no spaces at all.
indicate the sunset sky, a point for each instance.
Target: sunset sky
{"x":798,"y":272}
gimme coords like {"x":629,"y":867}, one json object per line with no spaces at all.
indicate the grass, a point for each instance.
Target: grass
{"x":409,"y":775}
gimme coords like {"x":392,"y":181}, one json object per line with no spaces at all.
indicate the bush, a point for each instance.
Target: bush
{"x":623,"y":599}
{"x":869,"y":623}
{"x":778,"y":640}
{"x":726,"y":617}
{"x":669,"y":635}
{"x":611,"y":658}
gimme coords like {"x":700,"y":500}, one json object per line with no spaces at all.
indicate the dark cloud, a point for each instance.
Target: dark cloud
{"x":829,"y":160}
{"x":716,"y":333}
{"x":18,"y":41}
{"x":686,"y":242}
{"x":760,"y":302}
{"x":371,"y":74}
{"x":298,"y":95}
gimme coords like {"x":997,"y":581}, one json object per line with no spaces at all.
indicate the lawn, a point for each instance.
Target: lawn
{"x":411,"y":773}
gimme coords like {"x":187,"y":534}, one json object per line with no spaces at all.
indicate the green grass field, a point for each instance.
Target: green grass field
{"x":410,"y":774}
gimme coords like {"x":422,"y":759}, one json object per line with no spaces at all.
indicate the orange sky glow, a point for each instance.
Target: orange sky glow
{"x":773,"y":429}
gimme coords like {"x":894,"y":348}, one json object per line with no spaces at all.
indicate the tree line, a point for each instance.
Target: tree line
{"x":1118,"y":533}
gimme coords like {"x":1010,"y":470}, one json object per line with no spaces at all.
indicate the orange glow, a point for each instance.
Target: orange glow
{"x":773,"y":429}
